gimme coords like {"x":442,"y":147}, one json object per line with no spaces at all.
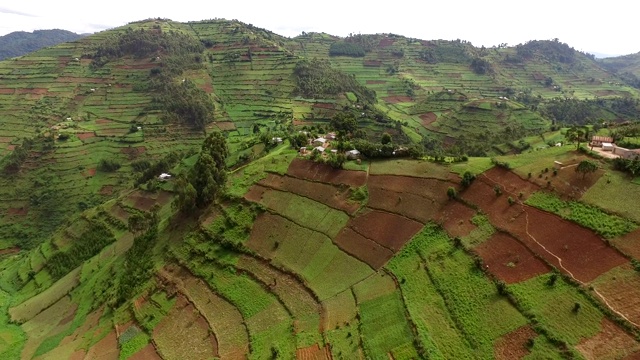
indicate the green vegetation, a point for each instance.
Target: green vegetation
{"x":606,"y":225}
{"x":19,"y":43}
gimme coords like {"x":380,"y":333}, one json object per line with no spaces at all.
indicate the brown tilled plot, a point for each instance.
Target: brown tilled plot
{"x":330,"y":195}
{"x":428,"y":118}
{"x":389,"y":230}
{"x":509,"y":260}
{"x":367,"y":250}
{"x":566,"y":245}
{"x":314,"y":352}
{"x":610,"y":343}
{"x":309,"y":170}
{"x":147,"y":353}
{"x":456,"y":217}
{"x":513,"y":345}
{"x":255,"y":193}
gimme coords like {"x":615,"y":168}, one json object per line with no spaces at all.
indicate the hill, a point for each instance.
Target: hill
{"x":627,"y":66}
{"x":19,"y":43}
{"x":259,"y":246}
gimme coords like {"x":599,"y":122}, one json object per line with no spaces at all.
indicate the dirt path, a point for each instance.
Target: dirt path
{"x":573,"y":277}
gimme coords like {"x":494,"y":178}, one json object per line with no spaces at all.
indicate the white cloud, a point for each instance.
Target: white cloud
{"x":583,"y":25}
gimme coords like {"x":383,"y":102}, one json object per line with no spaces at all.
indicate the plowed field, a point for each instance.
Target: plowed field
{"x":309,"y":170}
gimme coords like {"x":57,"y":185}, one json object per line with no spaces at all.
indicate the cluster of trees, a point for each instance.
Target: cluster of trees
{"x":346,"y":49}
{"x":149,"y":170}
{"x":11,"y":163}
{"x":553,"y":50}
{"x":481,"y":66}
{"x":573,"y":111}
{"x":316,"y":78}
{"x":630,"y":166}
{"x":185,"y":102}
{"x":108,"y":165}
{"x":143,"y":43}
{"x":446,"y":51}
{"x":94,"y":239}
{"x":205,"y":182}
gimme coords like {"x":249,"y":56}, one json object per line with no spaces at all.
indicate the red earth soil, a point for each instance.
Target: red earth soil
{"x":417,"y":198}
{"x":103,"y":121}
{"x":89,"y":173}
{"x":11,"y":147}
{"x":7,"y":91}
{"x":330,"y":195}
{"x":82,"y":80}
{"x":389,"y":230}
{"x":397,"y":99}
{"x":225,"y":125}
{"x":376,"y":82}
{"x":509,"y":260}
{"x":513,"y":345}
{"x":147,"y":353}
{"x":313,"y":353}
{"x":85,"y":136}
{"x":11,"y":250}
{"x":455,"y":218}
{"x":610,"y":343}
{"x":145,"y":201}
{"x":266,"y":230}
{"x":137,"y":66}
{"x":79,"y":355}
{"x":309,"y":170}
{"x":105,"y":349}
{"x":133,"y":152}
{"x":5,"y":139}
{"x":369,"y":251}
{"x":18,"y":211}
{"x":630,"y":243}
{"x":324,"y":105}
{"x":36,"y":91}
{"x":386,"y":42}
{"x":583,"y":253}
{"x":428,"y":118}
{"x":106,"y":190}
{"x":623,"y":293}
{"x":255,"y":193}
{"x":372,"y":63}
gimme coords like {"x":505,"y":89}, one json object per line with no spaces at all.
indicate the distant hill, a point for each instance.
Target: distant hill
{"x":622,"y":64}
{"x":21,"y":42}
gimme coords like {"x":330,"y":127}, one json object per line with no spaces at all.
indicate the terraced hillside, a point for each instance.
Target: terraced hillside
{"x":258,"y":247}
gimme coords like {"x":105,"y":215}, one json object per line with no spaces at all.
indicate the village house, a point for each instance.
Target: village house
{"x":320,"y":149}
{"x":626,"y":153}
{"x":599,"y":140}
{"x":353,"y":154}
{"x":320,"y":142}
{"x":164,"y":177}
{"x":303,"y":150}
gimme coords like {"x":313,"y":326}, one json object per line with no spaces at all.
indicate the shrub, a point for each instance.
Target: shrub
{"x":108,"y":165}
{"x":451,"y":192}
{"x":498,"y":190}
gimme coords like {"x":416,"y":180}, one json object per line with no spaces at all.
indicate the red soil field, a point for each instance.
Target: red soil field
{"x":17,"y":211}
{"x":11,"y":250}
{"x":386,"y":42}
{"x":372,"y":63}
{"x":389,"y":230}
{"x":455,"y":218}
{"x":137,"y":66}
{"x":510,"y":182}
{"x":7,"y":91}
{"x":397,"y":99}
{"x":583,"y":254}
{"x":105,"y":349}
{"x":133,"y":152}
{"x":266,"y":226}
{"x":147,"y":353}
{"x":106,"y":190}
{"x":35,"y":91}
{"x":376,"y":82}
{"x":330,"y":195}
{"x":428,"y":118}
{"x":417,"y":198}
{"x":370,"y":252}
{"x":255,"y":193}
{"x":89,"y":173}
{"x":85,"y":135}
{"x":610,"y":343}
{"x":79,"y":355}
{"x":630,"y":243}
{"x":623,"y":293}
{"x":5,"y":139}
{"x":324,"y":106}
{"x":11,"y":147}
{"x":104,"y":121}
{"x":313,"y":352}
{"x":513,"y":345}
{"x":509,"y":260}
{"x":145,"y":202}
{"x":225,"y":125}
{"x":309,"y":170}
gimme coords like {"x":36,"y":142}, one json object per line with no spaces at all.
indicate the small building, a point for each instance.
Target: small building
{"x":626,"y":153}
{"x":303,"y":150}
{"x":320,"y":149}
{"x":164,"y":177}
{"x":334,"y":151}
{"x":598,"y":140}
{"x":319,"y":141}
{"x":276,"y":140}
{"x":558,"y":144}
{"x":607,"y":146}
{"x":331,"y":136}
{"x":353,"y":154}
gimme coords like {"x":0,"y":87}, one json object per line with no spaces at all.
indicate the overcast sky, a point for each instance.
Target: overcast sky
{"x":604,"y":27}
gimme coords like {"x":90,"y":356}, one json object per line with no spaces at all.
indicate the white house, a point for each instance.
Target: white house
{"x":353,"y":154}
{"x":276,"y":140}
{"x":320,"y":149}
{"x":319,"y":141}
{"x":164,"y":177}
{"x":607,"y":146}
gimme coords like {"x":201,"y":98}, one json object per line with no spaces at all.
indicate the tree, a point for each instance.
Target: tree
{"x":467,"y":179}
{"x":336,"y":160}
{"x":586,"y":167}
{"x":185,"y":200}
{"x":577,"y":135}
{"x":451,"y":192}
{"x":344,"y":122}
{"x":386,"y":138}
{"x":216,"y":146}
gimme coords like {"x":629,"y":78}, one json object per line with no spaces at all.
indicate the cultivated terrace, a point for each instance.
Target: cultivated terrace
{"x":215,"y":190}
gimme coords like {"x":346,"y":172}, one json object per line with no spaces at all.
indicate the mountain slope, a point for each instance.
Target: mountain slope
{"x":254,"y":250}
{"x":19,"y":42}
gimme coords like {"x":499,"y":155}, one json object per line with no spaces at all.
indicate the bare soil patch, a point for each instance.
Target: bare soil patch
{"x":386,"y":42}
{"x":456,"y":217}
{"x":137,"y":66}
{"x":428,"y":118}
{"x":225,"y":125}
{"x":105,"y":349}
{"x":89,"y":172}
{"x":610,"y":343}
{"x":11,"y":250}
{"x":320,"y":105}
{"x":103,"y":121}
{"x":372,"y":63}
{"x":309,"y":170}
{"x":397,"y":99}
{"x":133,"y":152}
{"x":85,"y":135}
{"x":22,"y":211}
{"x":623,"y":292}
{"x":513,"y":345}
{"x":330,"y":195}
{"x":34,"y":91}
{"x":583,"y":253}
{"x":509,"y":260}
{"x":369,"y":251}
{"x":147,"y":353}
{"x":7,"y":91}
{"x":375,"y":82}
{"x":106,"y":190}
{"x":314,"y":353}
{"x":630,"y":243}
{"x":255,"y":193}
{"x":145,"y":201}
{"x":389,"y":230}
